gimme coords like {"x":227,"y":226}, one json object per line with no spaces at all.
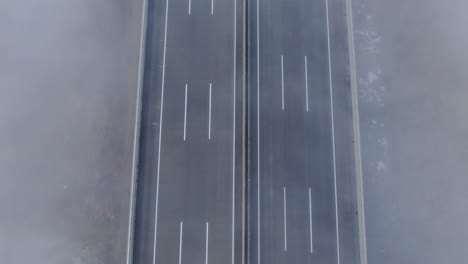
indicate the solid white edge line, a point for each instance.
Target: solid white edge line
{"x":245,"y":207}
{"x":206,"y":242}
{"x":258,"y":134}
{"x":160,"y":132}
{"x":181,"y":236}
{"x":282,"y":83}
{"x":285,"y":223}
{"x":185,"y":113}
{"x":306,"y":83}
{"x":357,"y":137}
{"x":333,"y":137}
{"x":310,"y":222}
{"x":234,"y":130}
{"x":136,"y":134}
{"x":209,"y":115}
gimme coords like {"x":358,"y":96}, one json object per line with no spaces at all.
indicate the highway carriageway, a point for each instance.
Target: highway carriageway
{"x":246,"y":147}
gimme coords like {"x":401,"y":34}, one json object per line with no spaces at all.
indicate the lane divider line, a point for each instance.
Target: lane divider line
{"x":206,"y":242}
{"x":180,"y":241}
{"x":285,"y":221}
{"x":282,"y":83}
{"x":185,"y":112}
{"x":310,"y":222}
{"x":209,"y":115}
{"x":306,"y":84}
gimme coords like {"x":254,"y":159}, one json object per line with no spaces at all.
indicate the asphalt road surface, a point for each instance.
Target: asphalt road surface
{"x":301,"y":191}
{"x":190,"y":182}
{"x":302,"y":195}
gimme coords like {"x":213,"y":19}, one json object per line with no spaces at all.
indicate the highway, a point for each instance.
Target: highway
{"x":262,"y":173}
{"x":302,"y":191}
{"x":189,"y":205}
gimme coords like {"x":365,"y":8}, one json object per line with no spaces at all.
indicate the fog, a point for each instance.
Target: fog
{"x":412,"y":82}
{"x":68,"y":79}
{"x":68,"y":75}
